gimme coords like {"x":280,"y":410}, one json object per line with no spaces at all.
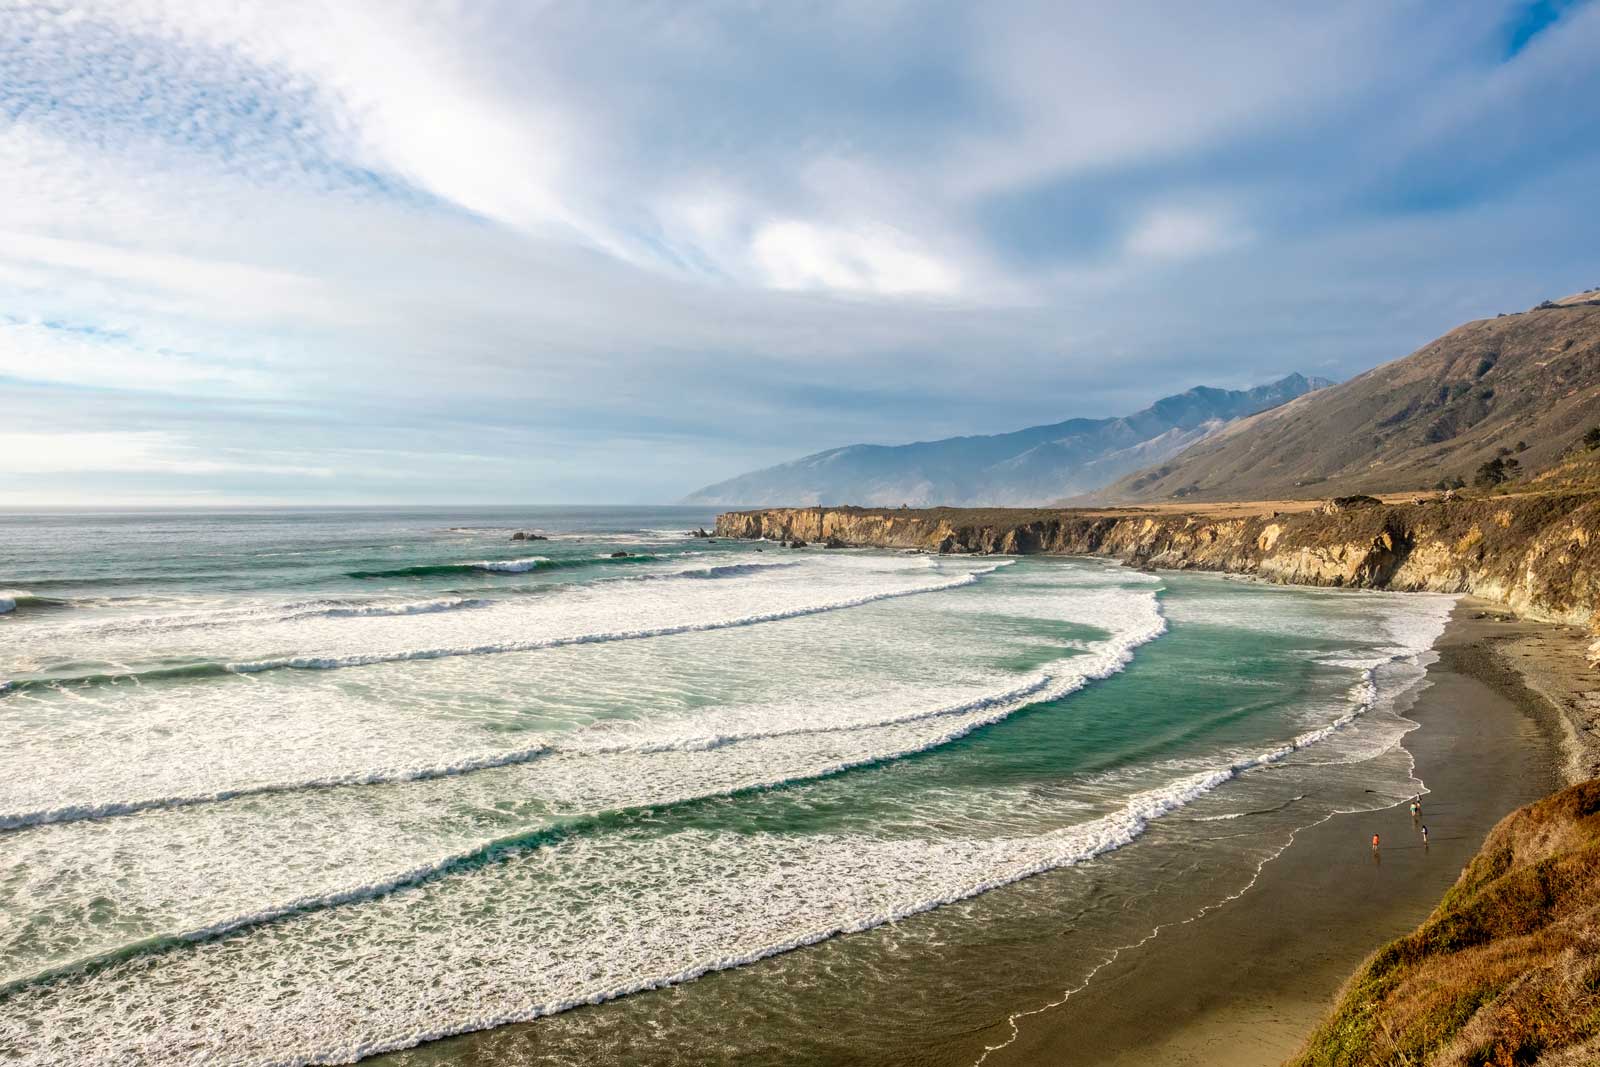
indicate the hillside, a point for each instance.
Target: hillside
{"x":1505,"y":971}
{"x":1031,"y":466}
{"x":1524,"y":386}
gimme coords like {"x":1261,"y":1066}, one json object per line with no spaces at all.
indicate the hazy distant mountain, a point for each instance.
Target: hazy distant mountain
{"x":1521,"y":388}
{"x":1032,"y":466}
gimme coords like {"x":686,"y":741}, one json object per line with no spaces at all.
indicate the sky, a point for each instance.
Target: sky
{"x":384,"y":251}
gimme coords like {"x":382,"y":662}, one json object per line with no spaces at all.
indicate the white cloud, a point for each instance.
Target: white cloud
{"x":551,"y":221}
{"x":1178,"y":233}
{"x":37,"y":352}
{"x":133,"y":452}
{"x":801,"y":255}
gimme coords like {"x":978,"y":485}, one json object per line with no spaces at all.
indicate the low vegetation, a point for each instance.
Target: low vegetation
{"x":1505,"y":972}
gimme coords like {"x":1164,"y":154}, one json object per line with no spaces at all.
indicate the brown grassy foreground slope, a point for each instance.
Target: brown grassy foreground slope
{"x":1506,"y":971}
{"x":1531,"y":379}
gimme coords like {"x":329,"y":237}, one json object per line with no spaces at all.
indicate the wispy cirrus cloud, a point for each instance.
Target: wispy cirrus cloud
{"x":616,"y":252}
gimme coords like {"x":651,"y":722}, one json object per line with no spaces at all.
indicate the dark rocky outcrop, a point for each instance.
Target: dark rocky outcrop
{"x":1350,"y":503}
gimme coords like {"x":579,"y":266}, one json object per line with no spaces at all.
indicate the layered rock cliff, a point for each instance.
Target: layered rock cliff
{"x":1538,"y":554}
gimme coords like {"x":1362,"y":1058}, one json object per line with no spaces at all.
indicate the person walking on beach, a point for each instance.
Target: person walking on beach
{"x":1416,"y":808}
{"x":1424,"y":835}
{"x":1374,"y":842}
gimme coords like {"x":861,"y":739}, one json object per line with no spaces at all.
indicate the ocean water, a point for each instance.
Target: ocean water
{"x":306,"y":787}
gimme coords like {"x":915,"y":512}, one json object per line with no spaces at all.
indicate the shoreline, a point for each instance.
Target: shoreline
{"x":1532,"y":554}
{"x":1488,"y":741}
{"x":1247,"y":983}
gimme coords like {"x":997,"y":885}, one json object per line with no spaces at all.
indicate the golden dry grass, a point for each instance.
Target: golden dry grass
{"x":1506,"y":971}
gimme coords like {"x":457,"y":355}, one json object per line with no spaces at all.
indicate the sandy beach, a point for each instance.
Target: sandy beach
{"x":1501,"y":725}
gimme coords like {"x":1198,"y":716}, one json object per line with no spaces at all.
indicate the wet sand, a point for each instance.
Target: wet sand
{"x":1246,"y":985}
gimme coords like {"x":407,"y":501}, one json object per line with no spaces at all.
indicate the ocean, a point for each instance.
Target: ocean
{"x":293,"y":787}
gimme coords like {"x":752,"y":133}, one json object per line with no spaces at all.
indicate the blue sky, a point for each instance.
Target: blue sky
{"x":371,"y":252}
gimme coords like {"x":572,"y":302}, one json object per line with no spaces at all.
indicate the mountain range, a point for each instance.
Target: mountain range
{"x":1036,"y":465}
{"x":1520,"y":389}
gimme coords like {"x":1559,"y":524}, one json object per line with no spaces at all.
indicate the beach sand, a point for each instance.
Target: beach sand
{"x":1501,"y":721}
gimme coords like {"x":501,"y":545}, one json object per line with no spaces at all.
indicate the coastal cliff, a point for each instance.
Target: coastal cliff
{"x":1537,"y":554}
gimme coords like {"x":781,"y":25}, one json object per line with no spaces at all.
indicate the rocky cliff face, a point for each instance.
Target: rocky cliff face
{"x":1537,"y":554}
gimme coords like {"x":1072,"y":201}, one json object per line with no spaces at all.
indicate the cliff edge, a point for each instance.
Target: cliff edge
{"x":1538,"y":554}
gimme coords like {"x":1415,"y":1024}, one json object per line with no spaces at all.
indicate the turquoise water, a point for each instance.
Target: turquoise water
{"x":304,"y":787}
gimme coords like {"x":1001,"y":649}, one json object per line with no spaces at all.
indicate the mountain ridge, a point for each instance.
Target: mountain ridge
{"x":1033,"y":465}
{"x":1519,"y":389}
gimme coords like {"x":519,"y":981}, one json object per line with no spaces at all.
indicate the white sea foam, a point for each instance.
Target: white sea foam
{"x":510,"y":566}
{"x":304,"y":634}
{"x":491,"y":648}
{"x":701,"y":729}
{"x":377,"y":776}
{"x":423,"y":607}
{"x":271,"y":915}
{"x":659,"y":764}
{"x":716,"y":901}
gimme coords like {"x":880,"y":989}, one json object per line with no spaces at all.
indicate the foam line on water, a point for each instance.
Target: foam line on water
{"x":511,"y":566}
{"x":507,"y":566}
{"x":1052,"y":851}
{"x":1041,"y":687}
{"x":76,"y":812}
{"x":201,"y":668}
{"x":423,"y":607}
{"x":1060,"y":848}
{"x":361,"y":660}
{"x":269,"y":613}
{"x":1087,"y":842}
{"x":996,"y":708}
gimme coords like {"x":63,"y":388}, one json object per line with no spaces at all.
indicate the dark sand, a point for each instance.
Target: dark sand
{"x":1248,"y":983}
